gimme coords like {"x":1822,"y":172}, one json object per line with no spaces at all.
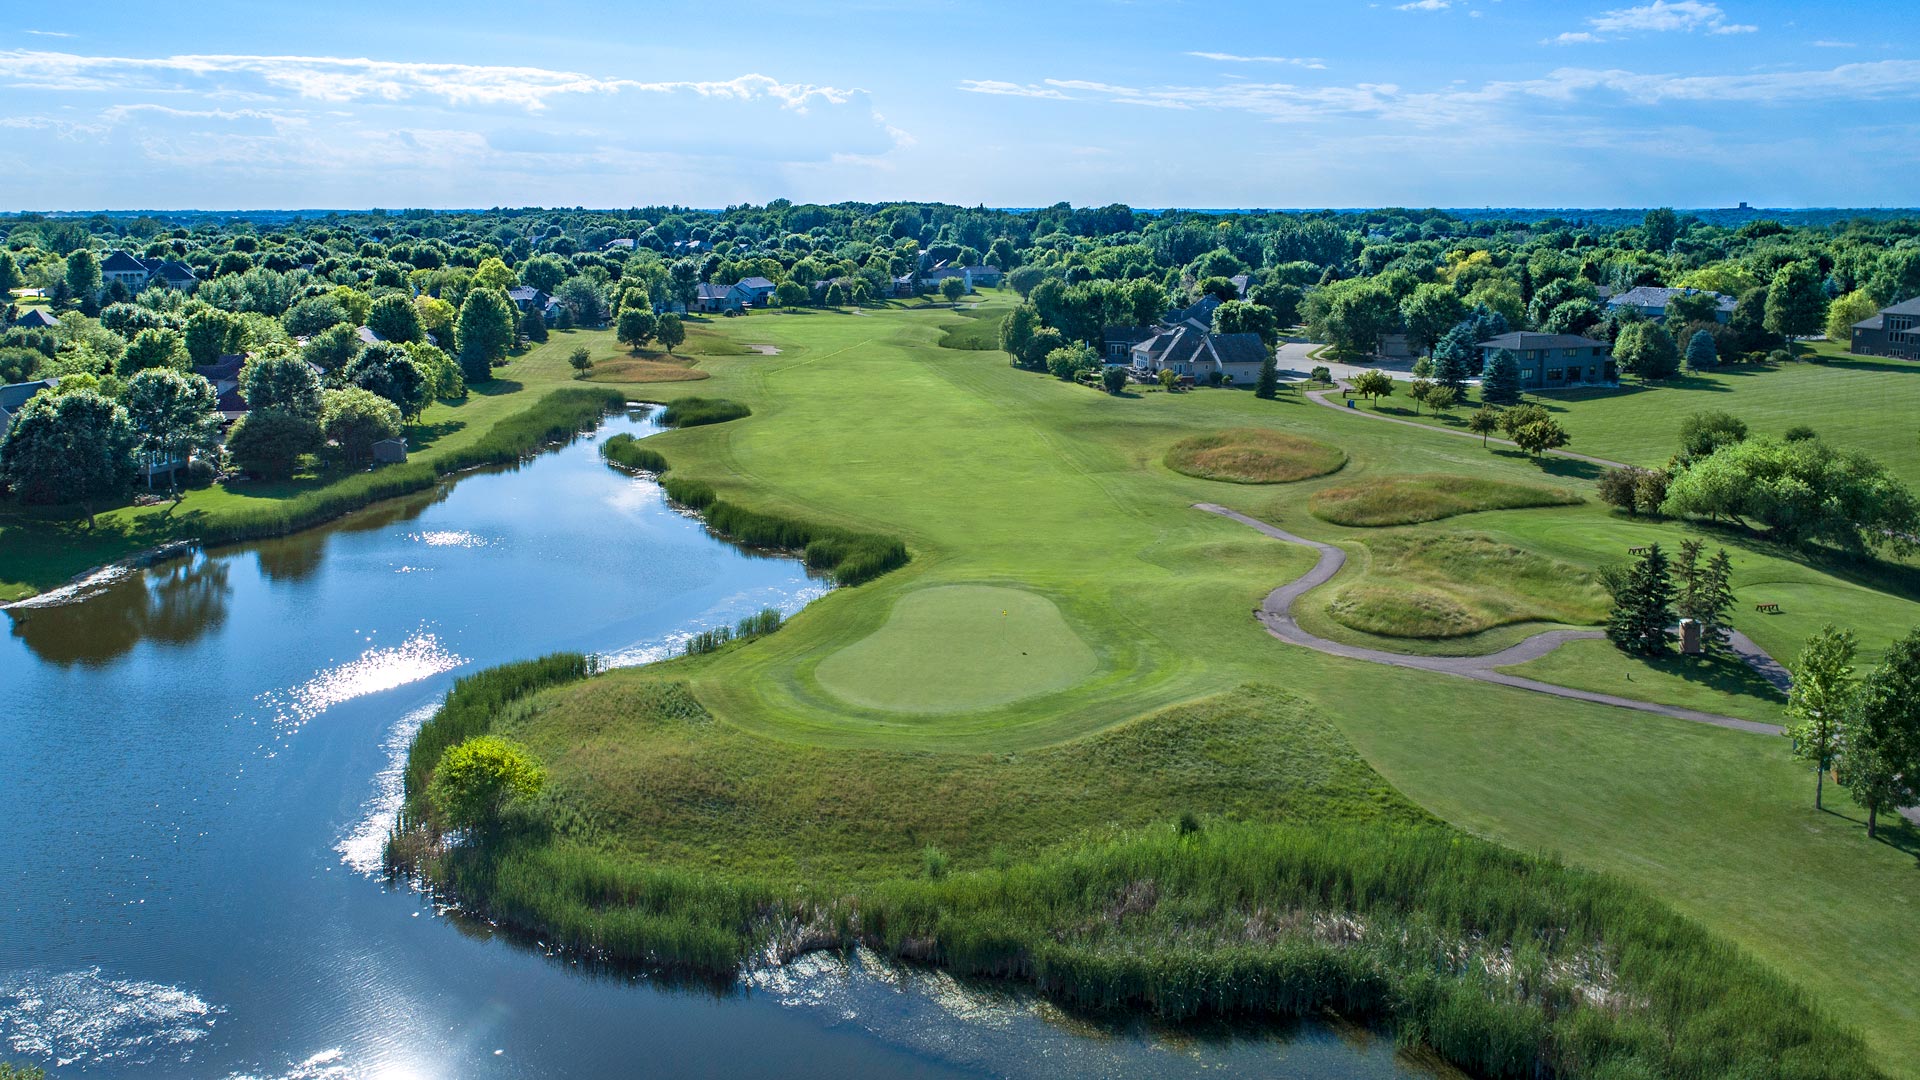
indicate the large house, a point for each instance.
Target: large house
{"x":742,"y":294}
{"x":1550,"y":361}
{"x":225,"y":377}
{"x":1650,"y":301}
{"x":525,"y":297}
{"x":14,"y":397}
{"x":1191,"y":351}
{"x":37,"y":319}
{"x":1892,"y":331}
{"x":135,"y":272}
{"x":973,"y":276}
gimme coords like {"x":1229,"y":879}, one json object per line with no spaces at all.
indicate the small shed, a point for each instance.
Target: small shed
{"x":390,"y":451}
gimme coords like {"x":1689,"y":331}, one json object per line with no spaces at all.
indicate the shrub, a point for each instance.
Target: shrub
{"x":580,"y":358}
{"x":697,"y":411}
{"x":1321,"y":374}
{"x":198,"y":474}
{"x":707,"y":641}
{"x":764,"y":621}
{"x":471,"y":707}
{"x":934,"y":862}
{"x":478,"y":779}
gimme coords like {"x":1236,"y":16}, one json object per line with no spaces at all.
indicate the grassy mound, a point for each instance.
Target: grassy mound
{"x":958,"y":648}
{"x":978,"y":330}
{"x":1407,"y":500}
{"x":1438,"y":585}
{"x":1253,"y":456}
{"x":633,"y":370}
{"x":667,"y":838}
{"x":696,"y":411}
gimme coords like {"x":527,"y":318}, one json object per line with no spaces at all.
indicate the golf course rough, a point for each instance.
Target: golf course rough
{"x":1253,"y":456}
{"x":960,"y":648}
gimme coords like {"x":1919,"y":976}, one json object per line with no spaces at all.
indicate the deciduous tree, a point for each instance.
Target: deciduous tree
{"x":477,"y":780}
{"x":484,"y":333}
{"x":1822,"y":700}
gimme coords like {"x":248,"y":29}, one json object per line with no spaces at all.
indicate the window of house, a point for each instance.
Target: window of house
{"x":1554,"y":374}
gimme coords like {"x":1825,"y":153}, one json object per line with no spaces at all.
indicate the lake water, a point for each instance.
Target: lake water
{"x":201,"y":760}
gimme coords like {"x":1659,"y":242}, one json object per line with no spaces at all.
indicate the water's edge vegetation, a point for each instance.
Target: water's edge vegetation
{"x":1504,"y":964}
{"x":848,"y":557}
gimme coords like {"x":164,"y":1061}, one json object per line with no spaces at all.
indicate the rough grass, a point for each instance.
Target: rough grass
{"x":632,"y":370}
{"x":1253,"y":456}
{"x":1407,"y":500}
{"x":1439,"y":585}
{"x":1502,"y":963}
{"x":954,"y":648}
{"x":978,"y":329}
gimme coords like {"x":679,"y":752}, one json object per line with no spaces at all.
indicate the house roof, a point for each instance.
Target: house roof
{"x":1239,"y":348}
{"x":524,"y":292}
{"x":119,"y":262}
{"x":1129,"y":335}
{"x":227,"y":367}
{"x":1904,"y":307}
{"x":367,"y":335}
{"x":172,"y":270}
{"x":1240,"y":282}
{"x":14,"y":395}
{"x":755,"y":283}
{"x":1520,"y":341}
{"x":710,"y":291}
{"x":1876,"y":321}
{"x":1653,"y":296}
{"x":36,"y":317}
{"x":1201,"y":311}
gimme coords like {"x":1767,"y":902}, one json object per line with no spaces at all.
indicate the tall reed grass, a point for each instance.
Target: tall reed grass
{"x":696,"y":411}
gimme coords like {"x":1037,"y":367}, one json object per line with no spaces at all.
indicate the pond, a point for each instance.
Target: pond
{"x":203,"y":760}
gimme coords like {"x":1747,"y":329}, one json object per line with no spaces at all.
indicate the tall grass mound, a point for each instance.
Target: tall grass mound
{"x":1506,"y":965}
{"x":633,"y":370}
{"x":1408,"y":500}
{"x":556,"y":417}
{"x":698,"y":411}
{"x":1440,"y":585}
{"x":626,"y":451}
{"x":1254,"y":456}
{"x":848,"y":557}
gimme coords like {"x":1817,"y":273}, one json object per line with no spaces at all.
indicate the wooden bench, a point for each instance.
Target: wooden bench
{"x":1767,"y":609}
{"x":1641,"y":550}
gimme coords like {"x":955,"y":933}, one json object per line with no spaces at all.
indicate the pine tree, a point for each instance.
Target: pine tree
{"x":1500,"y":382}
{"x":1701,"y":353}
{"x":1453,"y":358}
{"x":1269,"y":385}
{"x":1713,"y":601}
{"x":1642,"y":605}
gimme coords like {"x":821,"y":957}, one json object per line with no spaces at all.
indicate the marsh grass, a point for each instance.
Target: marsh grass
{"x":1253,"y":456}
{"x":625,"y":451}
{"x":1407,"y":500}
{"x":699,"y":411}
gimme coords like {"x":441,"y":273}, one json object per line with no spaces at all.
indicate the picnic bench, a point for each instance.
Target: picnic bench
{"x":1641,"y":550}
{"x":1767,"y":609}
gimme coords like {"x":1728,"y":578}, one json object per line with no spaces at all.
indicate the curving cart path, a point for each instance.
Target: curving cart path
{"x":1276,"y":614}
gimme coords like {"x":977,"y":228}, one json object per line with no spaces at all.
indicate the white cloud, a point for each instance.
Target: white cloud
{"x":1007,"y":89}
{"x":47,"y":33}
{"x":1312,"y":62}
{"x":1661,"y":16}
{"x":1425,"y":5}
{"x":1835,"y":45}
{"x":346,"y":79}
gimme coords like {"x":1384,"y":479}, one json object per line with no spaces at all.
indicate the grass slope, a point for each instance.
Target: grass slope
{"x":996,"y":477}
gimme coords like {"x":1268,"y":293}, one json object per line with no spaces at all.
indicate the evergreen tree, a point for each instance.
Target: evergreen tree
{"x":1642,"y":605}
{"x":1701,"y":353}
{"x":1703,"y":590}
{"x":1500,"y":382}
{"x":534,"y":325}
{"x":1268,"y":387}
{"x":1453,"y":358}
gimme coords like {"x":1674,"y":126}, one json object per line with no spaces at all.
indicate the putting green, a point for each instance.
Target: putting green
{"x":959,"y":648}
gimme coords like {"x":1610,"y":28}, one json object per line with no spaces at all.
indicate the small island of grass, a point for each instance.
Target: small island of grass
{"x":1408,"y":500}
{"x":698,"y":411}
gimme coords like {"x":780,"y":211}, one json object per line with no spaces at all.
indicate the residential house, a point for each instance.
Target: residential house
{"x":1191,"y":351}
{"x":624,"y":243}
{"x":1548,"y":361}
{"x":753,"y":291}
{"x":708,"y":296}
{"x":1201,"y":312}
{"x":14,"y":397}
{"x":120,"y":268}
{"x":1650,"y":301}
{"x":745,"y":293}
{"x":1241,"y":283}
{"x":1892,"y":331}
{"x":173,"y":274}
{"x":224,"y":374}
{"x":37,"y":319}
{"x":526,"y":296}
{"x":369,"y":336}
{"x":1117,"y":343}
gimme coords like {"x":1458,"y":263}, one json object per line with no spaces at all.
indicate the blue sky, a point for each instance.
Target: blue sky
{"x":1149,"y":102}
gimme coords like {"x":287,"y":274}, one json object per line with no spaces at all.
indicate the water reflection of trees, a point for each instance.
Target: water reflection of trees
{"x":174,"y":604}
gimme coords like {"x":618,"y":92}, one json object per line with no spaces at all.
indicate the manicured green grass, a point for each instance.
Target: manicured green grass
{"x":997,"y":477}
{"x":1863,"y":403}
{"x":1717,"y":684}
{"x":1442,"y":585}
{"x":41,"y":548}
{"x":960,"y":648}
{"x":1253,"y":456}
{"x":1408,"y":500}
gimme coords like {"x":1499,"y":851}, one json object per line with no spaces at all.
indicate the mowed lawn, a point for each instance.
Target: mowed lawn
{"x":1004,"y":479}
{"x":41,"y":549}
{"x":1862,"y":403}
